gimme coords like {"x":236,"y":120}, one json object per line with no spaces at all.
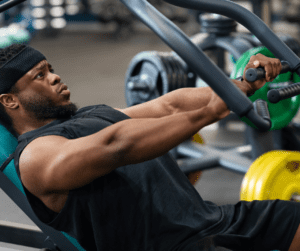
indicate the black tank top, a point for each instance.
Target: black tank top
{"x":146,"y":206}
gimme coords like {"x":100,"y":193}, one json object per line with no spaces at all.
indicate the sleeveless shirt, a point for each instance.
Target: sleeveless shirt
{"x":146,"y":206}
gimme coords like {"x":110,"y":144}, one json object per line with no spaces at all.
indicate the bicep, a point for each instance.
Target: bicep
{"x":56,"y":164}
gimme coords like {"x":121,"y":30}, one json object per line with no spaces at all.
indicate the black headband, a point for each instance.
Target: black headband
{"x":18,"y":66}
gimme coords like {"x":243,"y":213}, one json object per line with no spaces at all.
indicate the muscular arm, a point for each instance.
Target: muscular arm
{"x":188,"y":99}
{"x":177,"y":101}
{"x":181,"y":100}
{"x":53,"y":164}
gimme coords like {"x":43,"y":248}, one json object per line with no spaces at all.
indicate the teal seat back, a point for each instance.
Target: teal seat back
{"x":8,"y":144}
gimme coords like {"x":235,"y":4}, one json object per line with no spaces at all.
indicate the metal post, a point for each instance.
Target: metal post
{"x":261,"y":142}
{"x":258,"y":7}
{"x":263,"y":9}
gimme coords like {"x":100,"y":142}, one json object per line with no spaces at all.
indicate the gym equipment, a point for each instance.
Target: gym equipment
{"x":112,"y":11}
{"x":281,"y":113}
{"x":152,"y":74}
{"x":193,"y":56}
{"x":274,"y":175}
{"x":9,"y":4}
{"x":107,"y":11}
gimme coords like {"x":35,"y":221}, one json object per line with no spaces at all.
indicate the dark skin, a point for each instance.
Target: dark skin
{"x":51,"y":166}
{"x":39,"y":83}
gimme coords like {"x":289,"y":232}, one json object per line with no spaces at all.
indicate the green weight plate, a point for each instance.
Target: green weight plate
{"x":282,"y":112}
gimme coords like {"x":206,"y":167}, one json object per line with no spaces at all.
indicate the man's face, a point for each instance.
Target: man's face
{"x":42,"y":94}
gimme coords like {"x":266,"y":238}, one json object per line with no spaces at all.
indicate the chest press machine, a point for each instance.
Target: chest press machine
{"x":196,"y":59}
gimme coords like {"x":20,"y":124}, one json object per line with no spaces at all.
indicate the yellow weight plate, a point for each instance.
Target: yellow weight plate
{"x":249,"y":180}
{"x":266,"y":163}
{"x":198,"y":138}
{"x":281,"y":179}
{"x":274,"y":175}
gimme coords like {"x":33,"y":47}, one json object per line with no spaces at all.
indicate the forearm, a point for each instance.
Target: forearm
{"x":147,"y":139}
{"x":177,"y":101}
{"x":188,"y":99}
{"x":181,"y":100}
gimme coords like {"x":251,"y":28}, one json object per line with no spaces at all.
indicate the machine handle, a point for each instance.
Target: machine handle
{"x":197,"y":60}
{"x":261,"y":107}
{"x":275,"y":95}
{"x":254,"y":74}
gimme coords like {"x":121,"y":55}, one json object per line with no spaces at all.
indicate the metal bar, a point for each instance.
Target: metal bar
{"x":20,"y":234}
{"x":209,"y":157}
{"x":9,"y":4}
{"x":21,"y":201}
{"x":191,"y":165}
{"x":197,"y":60}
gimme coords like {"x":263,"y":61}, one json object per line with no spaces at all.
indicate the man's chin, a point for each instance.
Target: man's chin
{"x":67,"y":111}
{"x":56,"y":112}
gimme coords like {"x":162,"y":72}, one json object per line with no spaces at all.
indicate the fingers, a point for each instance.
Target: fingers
{"x":272,"y":66}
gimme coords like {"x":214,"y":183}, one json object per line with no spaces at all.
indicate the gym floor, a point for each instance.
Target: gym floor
{"x":93,"y":66}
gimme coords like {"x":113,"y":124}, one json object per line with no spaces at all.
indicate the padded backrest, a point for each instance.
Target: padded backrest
{"x":12,"y":186}
{"x":8,"y":144}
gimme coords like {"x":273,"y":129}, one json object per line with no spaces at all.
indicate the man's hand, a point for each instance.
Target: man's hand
{"x":272,"y":67}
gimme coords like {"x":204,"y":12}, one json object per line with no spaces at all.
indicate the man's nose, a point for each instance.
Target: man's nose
{"x":55,"y":79}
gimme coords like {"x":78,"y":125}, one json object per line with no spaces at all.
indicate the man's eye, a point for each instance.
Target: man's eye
{"x":41,"y":74}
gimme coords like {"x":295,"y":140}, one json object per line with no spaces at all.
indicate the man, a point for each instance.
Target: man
{"x":105,"y":177}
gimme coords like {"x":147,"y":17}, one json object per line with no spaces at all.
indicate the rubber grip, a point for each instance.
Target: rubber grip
{"x":253,"y":74}
{"x":275,"y":95}
{"x":261,"y":107}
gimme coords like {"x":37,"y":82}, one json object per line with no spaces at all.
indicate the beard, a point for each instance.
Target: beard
{"x":44,"y":108}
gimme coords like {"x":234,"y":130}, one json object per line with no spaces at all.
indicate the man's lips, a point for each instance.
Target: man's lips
{"x":62,"y":88}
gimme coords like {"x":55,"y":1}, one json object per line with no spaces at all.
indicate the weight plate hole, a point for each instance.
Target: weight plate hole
{"x":295,"y":197}
{"x":293,"y":166}
{"x":159,"y":85}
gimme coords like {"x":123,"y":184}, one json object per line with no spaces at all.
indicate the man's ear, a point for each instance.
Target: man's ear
{"x":9,"y":101}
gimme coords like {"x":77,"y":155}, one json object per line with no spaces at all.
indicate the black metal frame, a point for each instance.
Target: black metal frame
{"x":9,"y":4}
{"x":237,"y":158}
{"x":24,"y":235}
